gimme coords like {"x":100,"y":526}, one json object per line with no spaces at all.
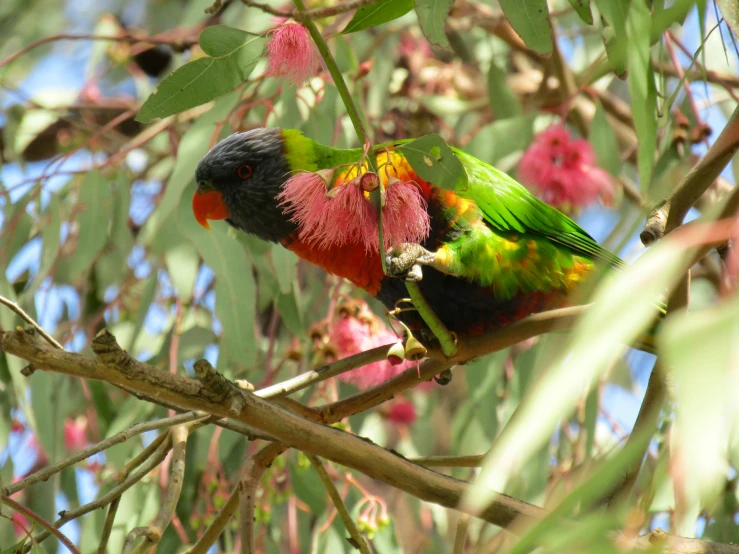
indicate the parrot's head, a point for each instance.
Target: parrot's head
{"x":239,"y":180}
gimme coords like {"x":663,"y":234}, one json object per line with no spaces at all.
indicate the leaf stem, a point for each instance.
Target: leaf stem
{"x":448,"y":344}
{"x":355,"y":115}
{"x":447,"y":340}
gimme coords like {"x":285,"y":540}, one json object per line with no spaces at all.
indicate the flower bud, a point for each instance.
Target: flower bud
{"x":414,"y":350}
{"x":396,"y":354}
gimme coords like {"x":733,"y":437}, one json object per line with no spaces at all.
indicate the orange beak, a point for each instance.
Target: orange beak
{"x":209,"y":205}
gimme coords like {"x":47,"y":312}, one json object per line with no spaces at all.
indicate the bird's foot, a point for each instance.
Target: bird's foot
{"x":405,"y":261}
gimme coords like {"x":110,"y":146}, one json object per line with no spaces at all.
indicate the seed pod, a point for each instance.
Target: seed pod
{"x":396,"y":354}
{"x":414,"y":350}
{"x":369,"y":182}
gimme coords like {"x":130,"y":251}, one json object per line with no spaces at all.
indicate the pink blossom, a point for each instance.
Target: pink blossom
{"x":402,"y":412}
{"x":75,"y":434}
{"x":563,"y":170}
{"x":21,"y":525}
{"x":344,"y":214}
{"x":352,"y":335}
{"x":405,"y":215}
{"x":292,"y":53}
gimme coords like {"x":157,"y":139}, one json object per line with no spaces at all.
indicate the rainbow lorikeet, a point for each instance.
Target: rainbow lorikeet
{"x":490,"y":252}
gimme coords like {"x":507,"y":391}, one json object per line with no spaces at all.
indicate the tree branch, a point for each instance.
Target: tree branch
{"x":30,"y":514}
{"x":155,"y":531}
{"x":669,"y":213}
{"x":357,"y":538}
{"x":116,"y":367}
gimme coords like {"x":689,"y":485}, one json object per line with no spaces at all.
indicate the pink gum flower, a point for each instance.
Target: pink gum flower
{"x":563,"y":170}
{"x":292,"y":54}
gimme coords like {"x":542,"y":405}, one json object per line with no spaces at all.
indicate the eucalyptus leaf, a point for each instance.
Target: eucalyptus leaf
{"x":604,"y":142}
{"x":582,"y":7}
{"x":377,"y":13}
{"x":236,"y":53}
{"x":235,"y":287}
{"x":530,"y":19}
{"x":433,"y":160}
{"x":95,"y":205}
{"x":432,"y":15}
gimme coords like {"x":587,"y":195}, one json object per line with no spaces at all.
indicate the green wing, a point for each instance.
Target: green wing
{"x":508,"y":206}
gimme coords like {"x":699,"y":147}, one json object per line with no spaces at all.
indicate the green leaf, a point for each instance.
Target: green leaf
{"x":183,"y":263}
{"x":730,"y":13}
{"x":205,"y":79}
{"x":308,"y":488}
{"x":235,"y":287}
{"x":377,"y":13}
{"x":582,"y":7}
{"x":614,"y":35}
{"x":432,"y":15}
{"x":442,"y":169}
{"x":16,"y":230}
{"x":705,"y":399}
{"x":503,"y":103}
{"x":604,"y":142}
{"x":502,"y":138}
{"x":530,"y":20}
{"x":642,"y":88}
{"x":95,"y":204}
{"x":592,"y":348}
{"x":147,"y":290}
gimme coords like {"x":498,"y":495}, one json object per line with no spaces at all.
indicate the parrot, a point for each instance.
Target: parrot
{"x":484,"y":255}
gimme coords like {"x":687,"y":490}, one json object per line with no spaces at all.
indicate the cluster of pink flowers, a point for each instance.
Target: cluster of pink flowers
{"x":357,"y":329}
{"x":344,"y":214}
{"x":563,"y":171}
{"x":292,"y":53}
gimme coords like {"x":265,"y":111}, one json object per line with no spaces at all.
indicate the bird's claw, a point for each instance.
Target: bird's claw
{"x":405,"y":261}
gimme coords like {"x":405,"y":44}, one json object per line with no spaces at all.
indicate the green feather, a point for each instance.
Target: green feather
{"x":508,"y":206}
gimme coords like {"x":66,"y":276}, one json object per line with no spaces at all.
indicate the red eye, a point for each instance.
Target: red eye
{"x":244,"y":171}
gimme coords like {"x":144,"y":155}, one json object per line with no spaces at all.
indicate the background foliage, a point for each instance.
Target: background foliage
{"x":96,"y":231}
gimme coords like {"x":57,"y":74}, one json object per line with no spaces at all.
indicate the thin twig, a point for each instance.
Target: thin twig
{"x":28,"y":319}
{"x":323,"y":372}
{"x":357,"y":538}
{"x":51,"y":529}
{"x":253,"y":472}
{"x":449,"y":461}
{"x":111,"y":495}
{"x":156,"y":529}
{"x":669,"y":214}
{"x":108,"y":526}
{"x":460,"y":536}
{"x":318,"y":13}
{"x":118,"y":438}
{"x":54,"y":38}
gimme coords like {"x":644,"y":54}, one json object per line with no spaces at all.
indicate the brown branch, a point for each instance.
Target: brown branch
{"x":114,"y":38}
{"x":111,"y":495}
{"x":449,"y":461}
{"x":118,"y":438}
{"x":318,"y":13}
{"x":357,"y":540}
{"x":155,"y":530}
{"x":669,"y":214}
{"x":678,"y":545}
{"x":51,"y":529}
{"x":117,"y":367}
{"x":328,"y":442}
{"x":28,"y":319}
{"x":323,"y":372}
{"x":244,"y":494}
